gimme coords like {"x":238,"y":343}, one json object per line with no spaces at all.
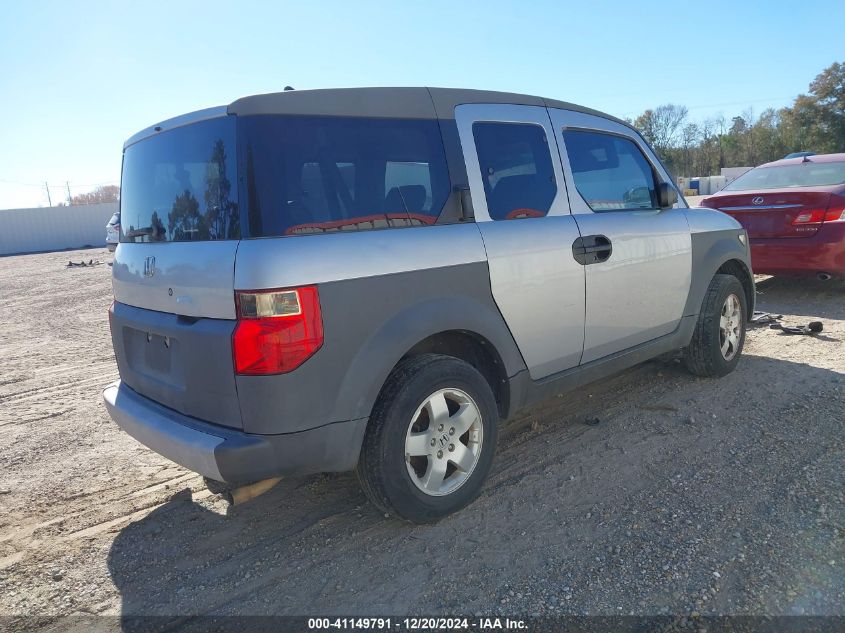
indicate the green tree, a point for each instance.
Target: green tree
{"x":661,"y":128}
{"x":815,"y":122}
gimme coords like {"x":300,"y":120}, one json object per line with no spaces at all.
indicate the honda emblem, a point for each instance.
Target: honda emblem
{"x":149,"y":266}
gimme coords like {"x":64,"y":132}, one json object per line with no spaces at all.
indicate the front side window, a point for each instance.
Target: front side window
{"x":181,"y":185}
{"x":516,"y":167}
{"x":610,"y":172}
{"x":316,"y":174}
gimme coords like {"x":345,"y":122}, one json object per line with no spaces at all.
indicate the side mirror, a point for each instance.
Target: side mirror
{"x":667,"y":196}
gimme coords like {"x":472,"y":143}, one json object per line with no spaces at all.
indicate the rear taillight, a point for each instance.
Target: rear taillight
{"x":277,"y":330}
{"x":814,"y":216}
{"x":834,"y":215}
{"x":817,"y":216}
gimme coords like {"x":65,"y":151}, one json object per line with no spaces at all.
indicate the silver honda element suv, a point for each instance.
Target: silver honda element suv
{"x":371,"y":279}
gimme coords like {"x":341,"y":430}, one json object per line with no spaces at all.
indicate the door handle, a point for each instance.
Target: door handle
{"x":592,"y":249}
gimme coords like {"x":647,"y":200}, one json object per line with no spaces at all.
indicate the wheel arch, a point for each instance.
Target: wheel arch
{"x":475,"y":350}
{"x":715,"y":252}
{"x":456,"y":326}
{"x":737,"y":268}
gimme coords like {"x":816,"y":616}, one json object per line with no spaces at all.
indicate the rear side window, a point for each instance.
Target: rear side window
{"x":315,"y":174}
{"x":610,"y":171}
{"x":181,"y":185}
{"x":516,"y":167}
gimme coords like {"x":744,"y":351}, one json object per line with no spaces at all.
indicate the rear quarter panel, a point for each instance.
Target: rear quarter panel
{"x":381,"y":292}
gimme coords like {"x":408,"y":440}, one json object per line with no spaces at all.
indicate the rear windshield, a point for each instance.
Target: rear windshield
{"x":181,"y":185}
{"x":807,"y":174}
{"x":312,"y":174}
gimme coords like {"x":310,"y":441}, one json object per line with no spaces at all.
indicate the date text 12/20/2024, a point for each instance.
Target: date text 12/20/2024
{"x":416,"y":624}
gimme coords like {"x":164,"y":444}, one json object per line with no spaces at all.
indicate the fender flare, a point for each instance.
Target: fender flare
{"x":388,"y":343}
{"x":710,"y":251}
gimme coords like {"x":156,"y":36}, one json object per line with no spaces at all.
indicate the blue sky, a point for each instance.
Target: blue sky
{"x":77,"y":78}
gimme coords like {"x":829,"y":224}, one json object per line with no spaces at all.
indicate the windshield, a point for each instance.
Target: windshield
{"x":181,"y":185}
{"x":808,"y":174}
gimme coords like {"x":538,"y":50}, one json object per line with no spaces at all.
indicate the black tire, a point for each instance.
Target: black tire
{"x":382,"y":468}
{"x":703,"y":356}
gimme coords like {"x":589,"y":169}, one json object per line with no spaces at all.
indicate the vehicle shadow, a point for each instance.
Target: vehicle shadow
{"x":802,"y":297}
{"x":561,"y":495}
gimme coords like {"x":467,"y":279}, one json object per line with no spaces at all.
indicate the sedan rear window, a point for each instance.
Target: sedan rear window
{"x":313,"y":174}
{"x":807,"y":174}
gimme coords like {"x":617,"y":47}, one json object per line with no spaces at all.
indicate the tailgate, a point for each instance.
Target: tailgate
{"x":187,"y":278}
{"x":172,"y":325}
{"x":184,"y":363}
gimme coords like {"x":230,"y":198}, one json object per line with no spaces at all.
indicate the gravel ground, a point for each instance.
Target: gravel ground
{"x":688,"y":495}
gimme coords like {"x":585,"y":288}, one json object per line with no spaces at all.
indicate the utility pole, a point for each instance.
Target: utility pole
{"x":67,"y":184}
{"x":47,"y":187}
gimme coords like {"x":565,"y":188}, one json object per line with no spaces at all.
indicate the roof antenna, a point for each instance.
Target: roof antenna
{"x":288,"y":88}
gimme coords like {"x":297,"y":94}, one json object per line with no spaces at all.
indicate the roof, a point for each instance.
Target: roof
{"x":414,"y":103}
{"x":815,"y":158}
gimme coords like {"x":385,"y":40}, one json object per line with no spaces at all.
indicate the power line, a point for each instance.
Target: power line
{"x":723,"y":105}
{"x":63,"y":184}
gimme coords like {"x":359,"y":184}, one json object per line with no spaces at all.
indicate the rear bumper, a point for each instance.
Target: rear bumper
{"x":229,"y":455}
{"x":823,"y":252}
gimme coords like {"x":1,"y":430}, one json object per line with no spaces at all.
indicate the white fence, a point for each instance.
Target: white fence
{"x":54,"y":228}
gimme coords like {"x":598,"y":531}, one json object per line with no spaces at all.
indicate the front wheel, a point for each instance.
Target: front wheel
{"x":719,"y":334}
{"x":430,"y":440}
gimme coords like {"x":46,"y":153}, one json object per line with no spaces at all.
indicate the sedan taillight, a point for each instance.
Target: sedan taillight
{"x":814,"y":216}
{"x":817,"y":216}
{"x":277,"y":330}
{"x":834,"y":215}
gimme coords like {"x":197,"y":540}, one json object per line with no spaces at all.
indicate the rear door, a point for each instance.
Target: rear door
{"x":173,"y":272}
{"x":520,"y":205}
{"x":638,"y":256}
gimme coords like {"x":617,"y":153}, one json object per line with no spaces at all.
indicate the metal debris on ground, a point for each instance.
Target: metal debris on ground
{"x":767,"y":318}
{"x":763,"y":318}
{"x":83,"y":264}
{"x":813,"y":327}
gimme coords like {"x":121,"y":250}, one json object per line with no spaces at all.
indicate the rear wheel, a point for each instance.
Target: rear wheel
{"x":431,"y":439}
{"x":719,"y":334}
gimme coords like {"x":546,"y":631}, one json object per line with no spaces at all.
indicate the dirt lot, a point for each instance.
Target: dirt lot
{"x":716,"y":496}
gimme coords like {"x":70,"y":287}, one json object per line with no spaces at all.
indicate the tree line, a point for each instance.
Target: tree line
{"x":814,"y":122}
{"x":103,"y":193}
